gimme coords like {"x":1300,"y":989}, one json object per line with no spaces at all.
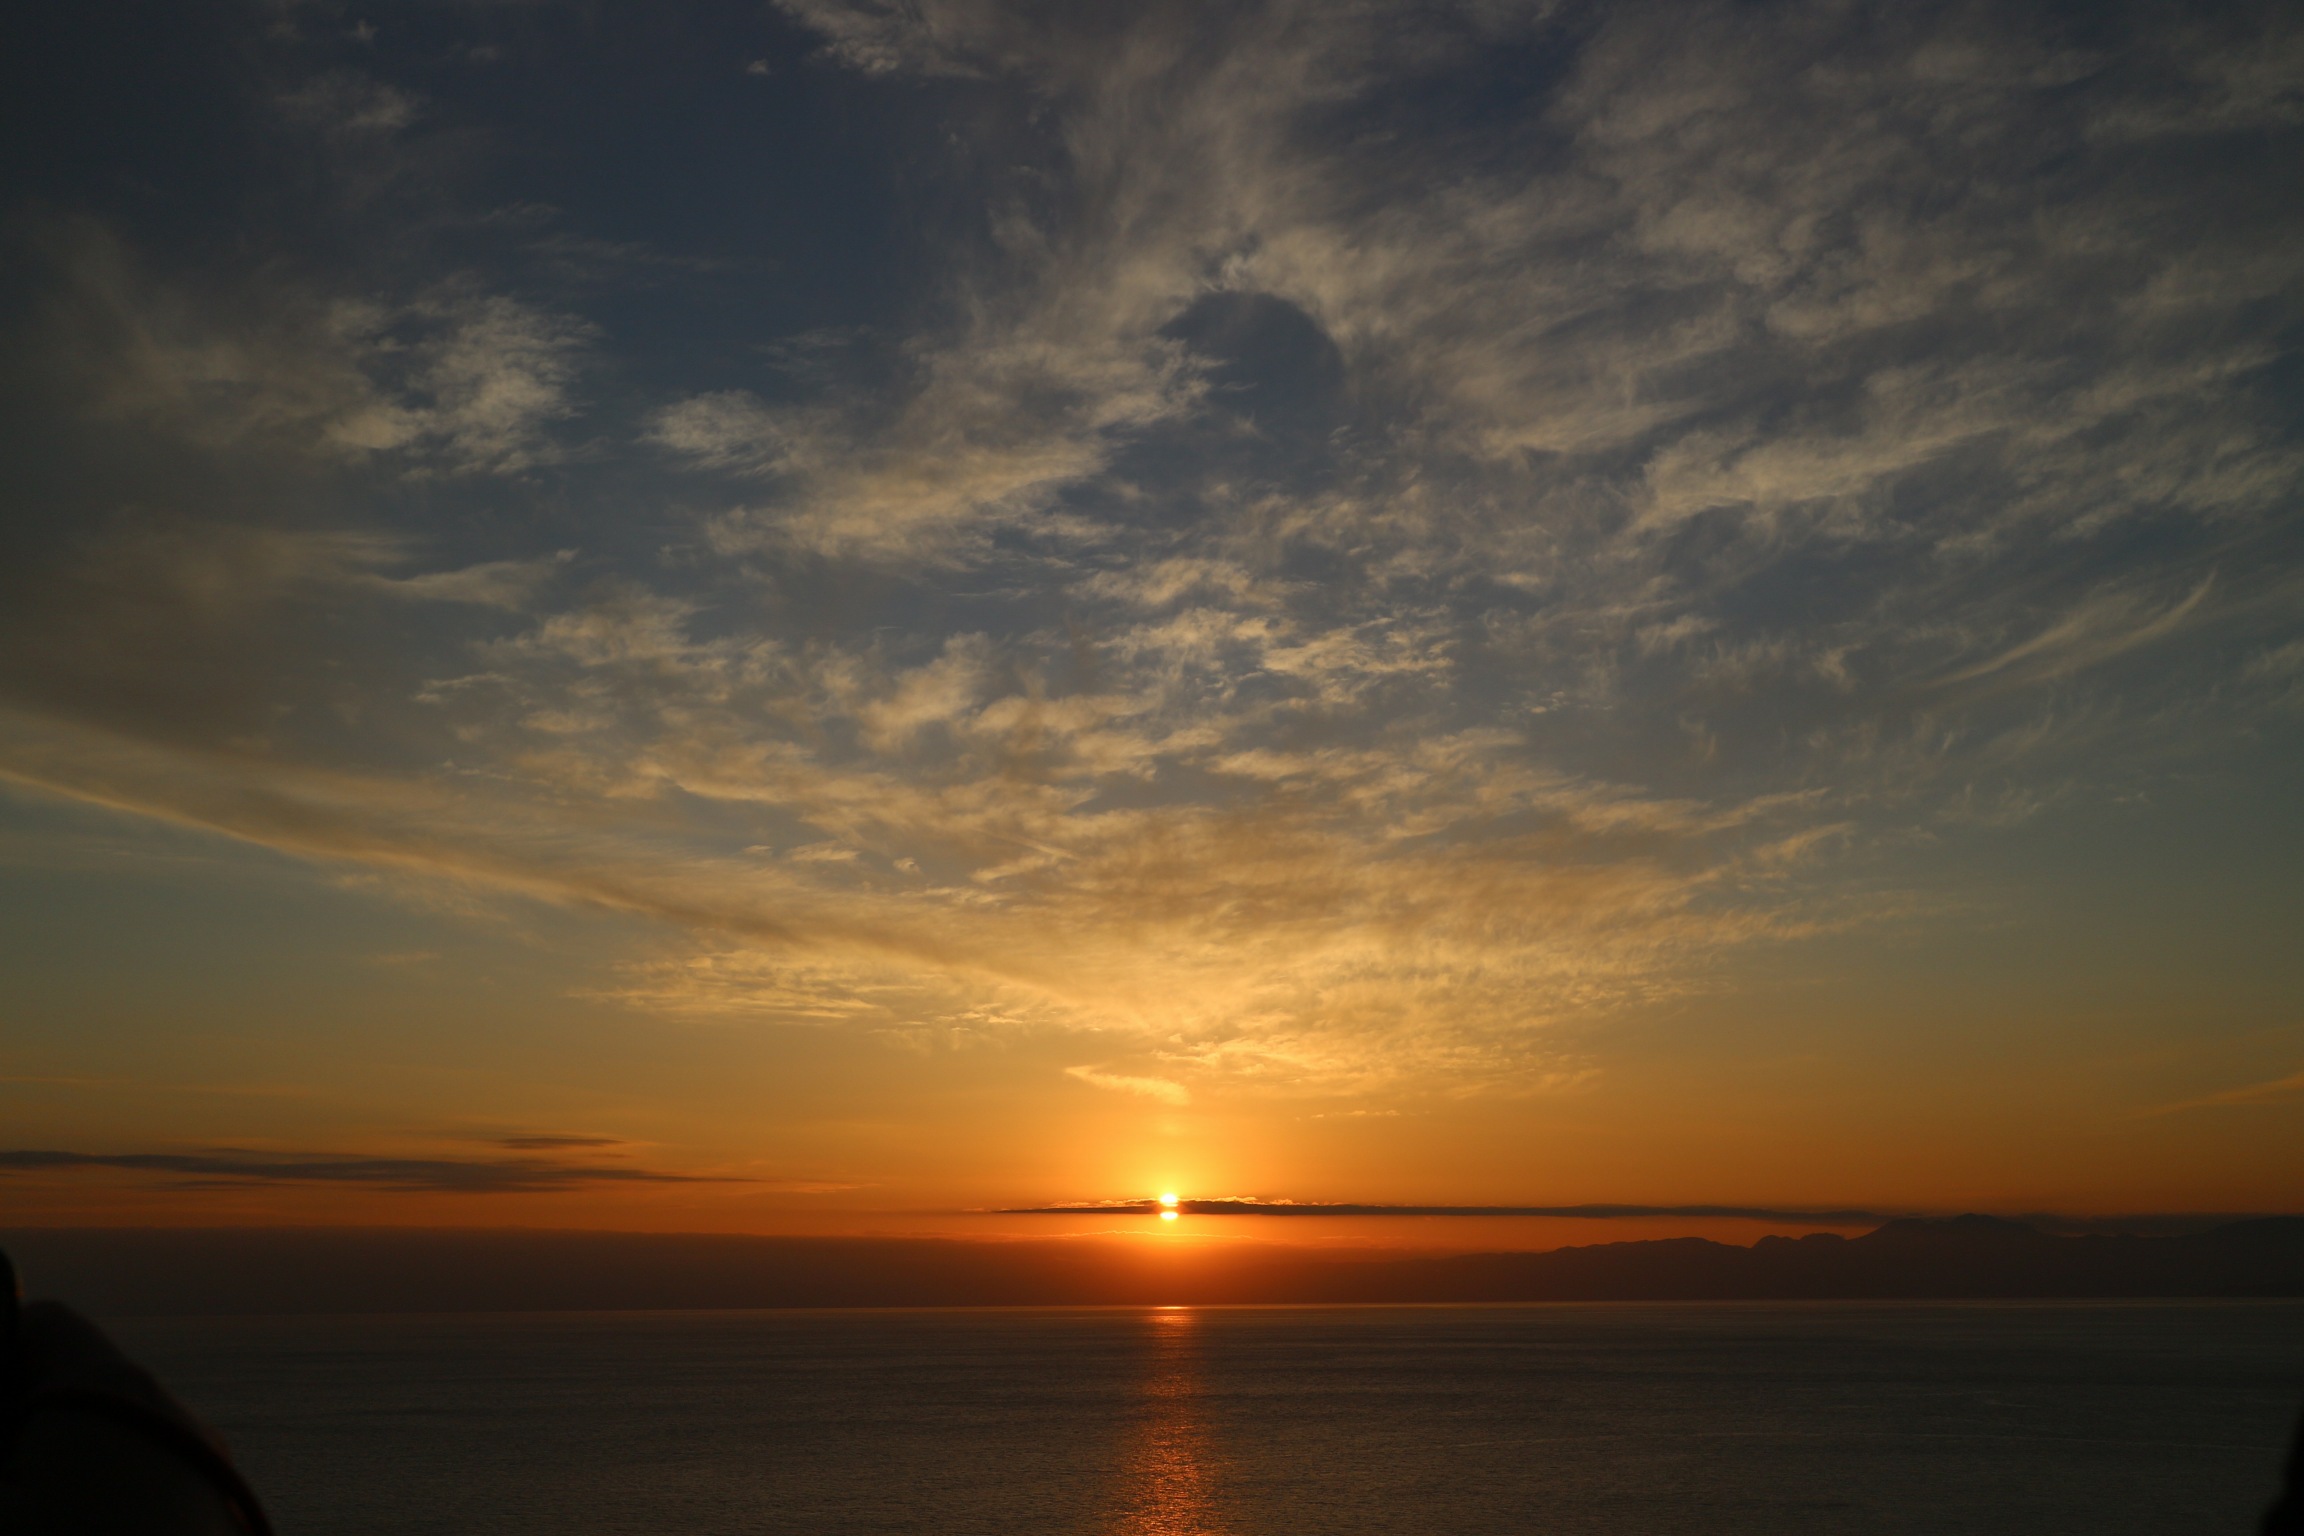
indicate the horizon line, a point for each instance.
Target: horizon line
{"x":1237,"y":1205}
{"x":1832,"y":1216}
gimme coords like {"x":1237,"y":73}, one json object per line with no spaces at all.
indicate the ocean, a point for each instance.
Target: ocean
{"x":1613,"y":1420}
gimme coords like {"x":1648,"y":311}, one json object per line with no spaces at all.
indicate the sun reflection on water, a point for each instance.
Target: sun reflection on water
{"x":1167,"y":1484}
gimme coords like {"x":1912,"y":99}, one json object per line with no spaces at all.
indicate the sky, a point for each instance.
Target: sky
{"x":841,"y":615}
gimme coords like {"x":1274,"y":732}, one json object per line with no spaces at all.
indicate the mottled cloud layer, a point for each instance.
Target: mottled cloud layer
{"x":1366,"y":540}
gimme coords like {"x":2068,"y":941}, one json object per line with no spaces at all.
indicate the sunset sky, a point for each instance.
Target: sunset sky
{"x":836,"y":615}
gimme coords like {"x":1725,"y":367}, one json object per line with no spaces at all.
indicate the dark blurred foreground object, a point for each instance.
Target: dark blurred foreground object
{"x":2286,"y":1518}
{"x":91,"y":1446}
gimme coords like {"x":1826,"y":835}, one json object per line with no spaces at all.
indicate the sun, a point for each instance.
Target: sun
{"x":1168,"y":1206}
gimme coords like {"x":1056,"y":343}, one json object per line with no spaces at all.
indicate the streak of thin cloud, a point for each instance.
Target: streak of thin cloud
{"x":2273,"y":1092}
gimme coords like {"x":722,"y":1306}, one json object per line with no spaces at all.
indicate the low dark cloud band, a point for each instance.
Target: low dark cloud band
{"x":1352,"y":1208}
{"x":473,"y":1176}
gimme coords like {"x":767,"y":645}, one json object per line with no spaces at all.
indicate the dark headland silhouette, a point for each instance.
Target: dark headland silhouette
{"x":129,"y":1271}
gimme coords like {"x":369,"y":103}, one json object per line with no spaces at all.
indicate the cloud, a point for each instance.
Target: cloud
{"x":1286,"y":944}
{"x":474,"y":1176}
{"x":1158,"y":1088}
{"x":510,"y":584}
{"x":732,"y":431}
{"x":347,"y":104}
{"x":190,"y":625}
{"x":995,"y":429}
{"x":1241,"y":1205}
{"x":880,"y":37}
{"x":2101,"y":628}
{"x":491,"y":376}
{"x":734,"y":984}
{"x":454,"y":378}
{"x":1377,"y":540}
{"x":2273,"y":1092}
{"x":942,"y":692}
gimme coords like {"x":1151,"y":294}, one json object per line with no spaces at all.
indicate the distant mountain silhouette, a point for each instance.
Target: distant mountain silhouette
{"x":122,"y":1272}
{"x":1963,"y":1256}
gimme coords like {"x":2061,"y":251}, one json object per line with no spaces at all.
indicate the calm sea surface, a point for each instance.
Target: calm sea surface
{"x":1630,"y":1420}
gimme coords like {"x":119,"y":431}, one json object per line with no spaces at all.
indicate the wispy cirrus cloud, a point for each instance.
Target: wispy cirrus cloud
{"x":2275,"y":1091}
